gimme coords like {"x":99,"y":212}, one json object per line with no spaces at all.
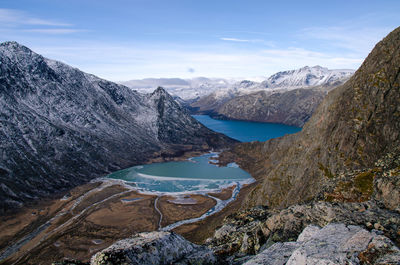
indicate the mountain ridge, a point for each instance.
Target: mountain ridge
{"x":61,"y":127}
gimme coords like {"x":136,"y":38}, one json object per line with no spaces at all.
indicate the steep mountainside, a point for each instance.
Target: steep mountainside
{"x":347,"y":151}
{"x":292,"y":107}
{"x":60,"y":126}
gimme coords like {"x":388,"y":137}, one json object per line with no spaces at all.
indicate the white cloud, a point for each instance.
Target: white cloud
{"x":17,"y":17}
{"x":15,"y":22}
{"x":235,"y":40}
{"x":54,"y":31}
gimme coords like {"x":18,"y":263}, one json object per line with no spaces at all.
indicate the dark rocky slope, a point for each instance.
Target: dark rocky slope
{"x":349,"y":149}
{"x":292,"y":107}
{"x":61,"y":127}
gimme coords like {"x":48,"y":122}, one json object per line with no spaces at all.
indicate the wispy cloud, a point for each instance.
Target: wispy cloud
{"x":258,"y":41}
{"x":354,"y":39}
{"x":54,"y":31}
{"x":18,"y":17}
{"x":15,"y":21}
{"x":235,"y":40}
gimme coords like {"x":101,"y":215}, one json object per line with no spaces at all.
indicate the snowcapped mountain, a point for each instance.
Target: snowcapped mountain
{"x":60,"y":126}
{"x":305,"y":77}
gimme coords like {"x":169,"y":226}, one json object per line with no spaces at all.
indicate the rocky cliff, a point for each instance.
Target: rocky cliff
{"x":347,"y":151}
{"x":61,"y":127}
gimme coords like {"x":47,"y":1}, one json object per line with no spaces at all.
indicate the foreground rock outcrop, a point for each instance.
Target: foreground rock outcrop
{"x":247,"y":232}
{"x":332,"y":244}
{"x":335,"y":243}
{"x":61,"y":127}
{"x":154,"y":248}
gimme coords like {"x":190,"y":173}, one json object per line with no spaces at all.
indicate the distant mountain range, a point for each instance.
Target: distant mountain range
{"x":186,"y":89}
{"x":189,"y":89}
{"x":61,"y":127}
{"x":268,"y":100}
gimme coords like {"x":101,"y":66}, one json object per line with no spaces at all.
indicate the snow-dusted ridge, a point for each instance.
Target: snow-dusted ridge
{"x":189,"y":89}
{"x":61,"y":127}
{"x":306,"y":77}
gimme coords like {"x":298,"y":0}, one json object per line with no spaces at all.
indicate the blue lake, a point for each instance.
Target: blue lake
{"x":245,"y":131}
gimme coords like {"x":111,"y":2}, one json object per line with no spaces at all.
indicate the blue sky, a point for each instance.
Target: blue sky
{"x":122,"y":40}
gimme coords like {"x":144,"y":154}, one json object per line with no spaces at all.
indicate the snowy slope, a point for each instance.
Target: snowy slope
{"x":60,"y":126}
{"x":306,"y":77}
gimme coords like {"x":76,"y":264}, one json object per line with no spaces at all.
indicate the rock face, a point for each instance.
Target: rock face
{"x":332,"y":244}
{"x":154,"y":248}
{"x":61,"y":127}
{"x":347,"y":151}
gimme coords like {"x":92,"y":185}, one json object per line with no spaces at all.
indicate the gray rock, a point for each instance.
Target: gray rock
{"x":154,"y":248}
{"x":245,"y":233}
{"x":332,"y":244}
{"x":308,"y":233}
{"x":277,"y":254}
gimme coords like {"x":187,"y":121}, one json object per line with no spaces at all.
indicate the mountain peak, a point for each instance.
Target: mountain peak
{"x":311,"y":68}
{"x":160,"y":92}
{"x":13,"y":45}
{"x":10,"y":43}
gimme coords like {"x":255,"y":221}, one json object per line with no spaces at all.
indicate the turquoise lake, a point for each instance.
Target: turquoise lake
{"x":193,"y":175}
{"x":245,"y":131}
{"x":198,"y":175}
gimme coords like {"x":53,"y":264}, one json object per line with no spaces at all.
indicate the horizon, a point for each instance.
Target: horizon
{"x":131,"y":40}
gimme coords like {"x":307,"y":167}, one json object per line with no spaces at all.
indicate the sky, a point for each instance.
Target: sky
{"x":121,"y":40}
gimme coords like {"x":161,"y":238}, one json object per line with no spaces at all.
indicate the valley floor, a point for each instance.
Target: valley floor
{"x":93,"y":216}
